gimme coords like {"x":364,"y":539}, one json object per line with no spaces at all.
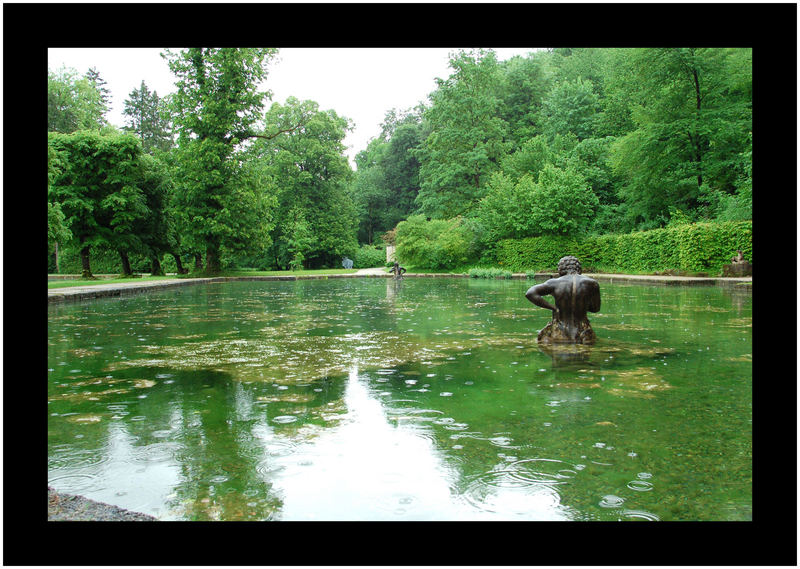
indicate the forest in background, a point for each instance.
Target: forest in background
{"x":562,"y":142}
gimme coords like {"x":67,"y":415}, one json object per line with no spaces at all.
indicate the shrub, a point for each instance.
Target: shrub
{"x":369,"y":256}
{"x":488,"y":273}
{"x":434,"y":244}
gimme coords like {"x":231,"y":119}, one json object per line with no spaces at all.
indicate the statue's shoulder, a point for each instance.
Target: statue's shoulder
{"x":590,"y":282}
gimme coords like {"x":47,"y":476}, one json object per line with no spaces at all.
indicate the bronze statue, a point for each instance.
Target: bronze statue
{"x":397,"y":270}
{"x":574,"y":295}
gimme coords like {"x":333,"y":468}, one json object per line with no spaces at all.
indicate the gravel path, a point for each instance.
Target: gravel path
{"x":374,"y":271}
{"x":69,"y":508}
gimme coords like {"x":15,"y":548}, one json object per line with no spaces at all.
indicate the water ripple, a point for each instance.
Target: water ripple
{"x":640,"y":485}
{"x":157,"y":452}
{"x":611,"y":501}
{"x":505,"y":493}
{"x":542,"y":471}
{"x":640,"y":515}
{"x":73,"y":483}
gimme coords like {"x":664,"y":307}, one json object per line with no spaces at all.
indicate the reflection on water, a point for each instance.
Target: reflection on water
{"x":421,"y":399}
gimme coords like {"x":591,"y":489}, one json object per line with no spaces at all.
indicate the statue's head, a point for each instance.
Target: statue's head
{"x":568,"y":265}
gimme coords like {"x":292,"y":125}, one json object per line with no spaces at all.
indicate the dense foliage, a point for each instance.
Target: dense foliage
{"x":586,"y":141}
{"x":685,"y":247}
{"x":636,"y":159}
{"x":434,"y":244}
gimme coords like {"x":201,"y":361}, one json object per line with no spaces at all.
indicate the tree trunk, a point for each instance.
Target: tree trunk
{"x":212,"y":259}
{"x":86,"y":270}
{"x":198,"y":262}
{"x":155,"y":267}
{"x":57,"y":270}
{"x":179,"y":264}
{"x":126,"y":264}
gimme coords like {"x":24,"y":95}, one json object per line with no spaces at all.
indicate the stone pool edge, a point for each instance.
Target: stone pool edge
{"x":91,"y":292}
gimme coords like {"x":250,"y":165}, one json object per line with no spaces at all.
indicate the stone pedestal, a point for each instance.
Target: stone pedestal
{"x":740,"y":269}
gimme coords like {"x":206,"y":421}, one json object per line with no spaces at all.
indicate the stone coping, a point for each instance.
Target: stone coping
{"x":90,"y":292}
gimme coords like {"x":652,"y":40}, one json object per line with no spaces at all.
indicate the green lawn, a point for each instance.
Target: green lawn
{"x":86,"y":282}
{"x":285,"y":273}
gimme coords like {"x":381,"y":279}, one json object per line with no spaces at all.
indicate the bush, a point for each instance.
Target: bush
{"x":488,"y":273}
{"x":434,"y":244}
{"x":369,"y":256}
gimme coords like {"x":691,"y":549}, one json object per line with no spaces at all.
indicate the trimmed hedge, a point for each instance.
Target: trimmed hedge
{"x":535,"y":253}
{"x":696,"y":247}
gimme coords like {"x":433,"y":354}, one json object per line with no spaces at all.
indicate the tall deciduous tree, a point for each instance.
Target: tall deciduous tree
{"x":466,"y":137}
{"x":311,"y":174}
{"x":217,"y":106}
{"x":691,"y":123}
{"x":524,"y":83}
{"x":73,"y":102}
{"x":386,"y":182}
{"x":98,"y":190}
{"x":570,"y":107}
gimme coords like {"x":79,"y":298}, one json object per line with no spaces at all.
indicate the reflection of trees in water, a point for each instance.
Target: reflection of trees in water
{"x":226,"y":433}
{"x":221,"y":421}
{"x":740,"y":296}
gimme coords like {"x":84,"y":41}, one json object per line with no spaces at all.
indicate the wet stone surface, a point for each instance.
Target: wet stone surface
{"x":68,"y":508}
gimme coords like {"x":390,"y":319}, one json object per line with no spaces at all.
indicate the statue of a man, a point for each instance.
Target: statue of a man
{"x":574,"y":295}
{"x":397,"y":270}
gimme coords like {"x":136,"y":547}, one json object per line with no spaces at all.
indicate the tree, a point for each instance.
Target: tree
{"x":98,"y":190}
{"x":523,"y":85}
{"x":73,"y":102}
{"x":156,"y":231}
{"x":103,"y":101}
{"x":563,"y":202}
{"x":558,"y":202}
{"x":312,"y":174}
{"x":386,"y":181}
{"x":148,"y":117}
{"x":57,"y":231}
{"x":506,"y":210}
{"x":299,"y":239}
{"x":369,"y":191}
{"x":217,"y":106}
{"x":692,"y":116}
{"x":529,"y":159}
{"x":570,"y":107}
{"x":466,"y":137}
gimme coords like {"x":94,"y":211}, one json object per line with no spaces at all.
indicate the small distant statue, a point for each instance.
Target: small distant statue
{"x":347,"y":263}
{"x":574,"y":295}
{"x":397,"y":270}
{"x":738,"y":267}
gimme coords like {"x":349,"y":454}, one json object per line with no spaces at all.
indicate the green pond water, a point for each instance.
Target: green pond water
{"x":424,"y":399}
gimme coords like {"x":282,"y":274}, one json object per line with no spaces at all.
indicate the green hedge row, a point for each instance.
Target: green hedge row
{"x":696,"y":247}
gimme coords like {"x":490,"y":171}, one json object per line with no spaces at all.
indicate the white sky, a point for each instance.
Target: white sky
{"x":358,"y":83}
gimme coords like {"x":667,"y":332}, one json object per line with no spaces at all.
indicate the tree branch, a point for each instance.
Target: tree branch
{"x":273,"y":135}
